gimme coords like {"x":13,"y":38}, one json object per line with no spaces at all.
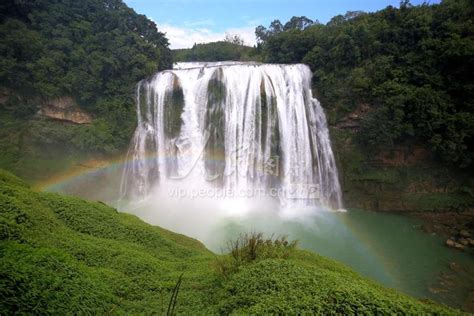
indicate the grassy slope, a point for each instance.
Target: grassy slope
{"x":61,"y":254}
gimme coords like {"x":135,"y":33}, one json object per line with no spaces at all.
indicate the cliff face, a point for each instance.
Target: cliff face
{"x":404,"y":178}
{"x":41,"y":139}
{"x":64,"y":109}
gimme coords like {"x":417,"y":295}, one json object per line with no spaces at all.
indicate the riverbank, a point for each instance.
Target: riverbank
{"x":457,"y":226}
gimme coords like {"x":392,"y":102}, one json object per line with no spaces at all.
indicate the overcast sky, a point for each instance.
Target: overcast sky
{"x":199,"y":21}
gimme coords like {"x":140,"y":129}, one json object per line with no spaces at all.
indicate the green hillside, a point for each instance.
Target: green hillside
{"x":216,"y":51}
{"x":64,"y":255}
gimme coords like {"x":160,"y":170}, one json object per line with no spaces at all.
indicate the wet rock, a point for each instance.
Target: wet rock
{"x":452,"y":244}
{"x":459,"y":246}
{"x":471,"y":242}
{"x":464,"y":233}
{"x":463,"y":241}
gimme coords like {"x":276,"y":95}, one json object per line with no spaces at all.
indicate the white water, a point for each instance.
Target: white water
{"x":246,"y":131}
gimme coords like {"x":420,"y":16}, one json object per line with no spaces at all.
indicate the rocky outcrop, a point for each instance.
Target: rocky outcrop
{"x":461,"y":240}
{"x":64,"y":109}
{"x":453,"y":244}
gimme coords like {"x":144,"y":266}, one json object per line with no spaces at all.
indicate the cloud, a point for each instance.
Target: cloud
{"x":185,"y":37}
{"x":200,"y":23}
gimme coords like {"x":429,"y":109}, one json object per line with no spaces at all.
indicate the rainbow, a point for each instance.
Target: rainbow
{"x":82,"y":169}
{"x":93,"y":167}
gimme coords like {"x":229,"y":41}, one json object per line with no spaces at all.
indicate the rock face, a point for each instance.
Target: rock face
{"x":404,"y":177}
{"x":452,"y":244}
{"x":64,"y":109}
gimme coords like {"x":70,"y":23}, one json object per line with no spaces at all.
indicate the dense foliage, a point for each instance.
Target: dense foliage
{"x":412,"y":65}
{"x":92,"y":50}
{"x":215,"y":51}
{"x":63,"y":255}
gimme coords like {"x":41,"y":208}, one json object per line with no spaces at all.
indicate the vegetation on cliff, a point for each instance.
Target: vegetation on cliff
{"x":63,"y":255}
{"x":88,"y":49}
{"x":412,"y":65}
{"x":215,"y":51}
{"x":397,"y":88}
{"x":94,"y":51}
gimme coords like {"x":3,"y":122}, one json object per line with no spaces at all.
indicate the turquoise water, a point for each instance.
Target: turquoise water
{"x":388,"y":248}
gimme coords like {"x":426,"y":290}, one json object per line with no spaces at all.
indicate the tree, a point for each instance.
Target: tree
{"x":276,"y":27}
{"x":261,"y":33}
{"x":234,"y":39}
{"x":298,"y":23}
{"x":90,"y":50}
{"x":412,"y":65}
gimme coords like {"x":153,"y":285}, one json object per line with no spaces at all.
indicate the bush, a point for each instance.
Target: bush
{"x":253,"y":247}
{"x":215,"y":51}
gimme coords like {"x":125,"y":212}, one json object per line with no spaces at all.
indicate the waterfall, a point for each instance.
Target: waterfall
{"x":241,"y":128}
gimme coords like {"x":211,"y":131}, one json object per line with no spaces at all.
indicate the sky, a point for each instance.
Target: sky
{"x":186,"y":22}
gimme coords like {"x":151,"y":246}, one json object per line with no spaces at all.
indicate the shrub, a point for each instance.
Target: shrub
{"x":253,"y":247}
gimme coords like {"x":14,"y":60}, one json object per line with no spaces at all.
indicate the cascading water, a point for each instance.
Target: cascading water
{"x":244,"y":129}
